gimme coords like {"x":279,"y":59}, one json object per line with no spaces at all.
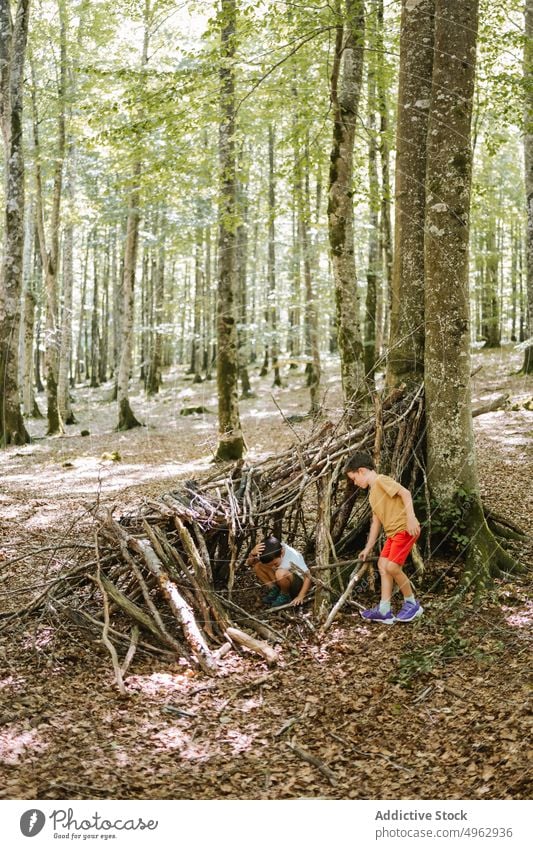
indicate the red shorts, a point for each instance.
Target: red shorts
{"x":397,"y":548}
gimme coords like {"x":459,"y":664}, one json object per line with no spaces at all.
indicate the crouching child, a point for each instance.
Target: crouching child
{"x":277,"y":567}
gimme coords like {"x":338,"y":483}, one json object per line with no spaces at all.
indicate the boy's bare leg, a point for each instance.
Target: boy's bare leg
{"x":284,"y":580}
{"x":387,"y":580}
{"x":396,"y":573}
{"x":265,"y":573}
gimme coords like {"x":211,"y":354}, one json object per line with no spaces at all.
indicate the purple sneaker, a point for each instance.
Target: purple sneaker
{"x":374,"y":615}
{"x":409,"y":611}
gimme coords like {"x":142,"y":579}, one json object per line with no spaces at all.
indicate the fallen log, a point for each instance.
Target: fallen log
{"x":496,"y":404}
{"x":243,"y":639}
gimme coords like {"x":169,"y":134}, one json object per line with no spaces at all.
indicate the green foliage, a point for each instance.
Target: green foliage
{"x":449,"y":523}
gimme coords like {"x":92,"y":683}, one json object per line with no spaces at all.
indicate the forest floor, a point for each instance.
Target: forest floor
{"x":433,"y":709}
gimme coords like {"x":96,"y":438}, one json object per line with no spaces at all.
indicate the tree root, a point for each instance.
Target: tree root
{"x":486,"y":560}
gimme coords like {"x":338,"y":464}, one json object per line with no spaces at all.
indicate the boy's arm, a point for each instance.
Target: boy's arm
{"x":255,"y":553}
{"x":375,"y":528}
{"x":413,"y":525}
{"x":306,"y":586}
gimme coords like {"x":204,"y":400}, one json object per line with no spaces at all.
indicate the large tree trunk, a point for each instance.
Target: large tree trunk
{"x":13,"y":36}
{"x":528,"y":161}
{"x":383,"y":306}
{"x":272,"y":306}
{"x":242,"y":285}
{"x":50,"y":251}
{"x":231,"y":442}
{"x":345,"y":95}
{"x":126,"y":418}
{"x":312,"y":350}
{"x":374,"y":267}
{"x":452,"y":470}
{"x":63,"y":389}
{"x":406,"y":348}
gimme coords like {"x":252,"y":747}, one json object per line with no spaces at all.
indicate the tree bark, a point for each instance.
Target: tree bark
{"x":126,"y":417}
{"x":231,"y":442}
{"x":527,"y":366}
{"x":345,"y":96}
{"x":154,"y":379}
{"x":272,"y":306}
{"x":13,"y":37}
{"x":374,"y":267}
{"x":452,"y":469}
{"x":406,"y":346}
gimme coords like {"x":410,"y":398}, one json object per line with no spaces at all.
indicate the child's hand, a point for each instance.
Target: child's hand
{"x":364,"y":553}
{"x":258,"y":549}
{"x":413,"y":527}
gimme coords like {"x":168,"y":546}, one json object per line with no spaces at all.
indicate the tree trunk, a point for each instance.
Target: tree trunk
{"x":50,"y":247}
{"x":452,"y":470}
{"x":242,"y":276}
{"x":65,"y":353}
{"x":384,"y":303}
{"x":374,"y":267}
{"x":231,"y":442}
{"x":197,"y":345}
{"x":81,"y":326}
{"x":527,"y":366}
{"x":13,"y":36}
{"x":406,"y":347}
{"x":155,"y":378}
{"x":272,"y":306}
{"x":345,"y":95}
{"x":126,"y":418}
{"x":95,"y":327}
{"x":312,"y":349}
{"x":490,"y":314}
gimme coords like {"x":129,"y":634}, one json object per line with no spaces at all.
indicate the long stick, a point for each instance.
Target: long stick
{"x":354,"y":577}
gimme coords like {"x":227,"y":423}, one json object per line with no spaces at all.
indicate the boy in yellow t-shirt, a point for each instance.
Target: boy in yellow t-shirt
{"x":392,"y":508}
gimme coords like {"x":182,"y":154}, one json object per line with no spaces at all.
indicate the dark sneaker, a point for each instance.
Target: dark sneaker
{"x":409,"y":611}
{"x":271,"y":595}
{"x":282,"y":598}
{"x":374,"y":615}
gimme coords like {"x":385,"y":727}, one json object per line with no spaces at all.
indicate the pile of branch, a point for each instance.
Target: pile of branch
{"x":162,"y":577}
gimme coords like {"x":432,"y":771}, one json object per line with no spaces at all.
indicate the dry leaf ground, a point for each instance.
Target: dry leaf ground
{"x":437,"y":709}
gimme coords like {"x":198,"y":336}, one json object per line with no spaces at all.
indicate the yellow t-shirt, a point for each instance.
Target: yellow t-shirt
{"x":387,"y":504}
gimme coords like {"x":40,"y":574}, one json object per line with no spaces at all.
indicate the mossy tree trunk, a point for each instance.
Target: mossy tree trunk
{"x":346,"y":82}
{"x":231,"y":442}
{"x":406,"y":347}
{"x":451,"y":460}
{"x":527,"y":366}
{"x":13,"y":37}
